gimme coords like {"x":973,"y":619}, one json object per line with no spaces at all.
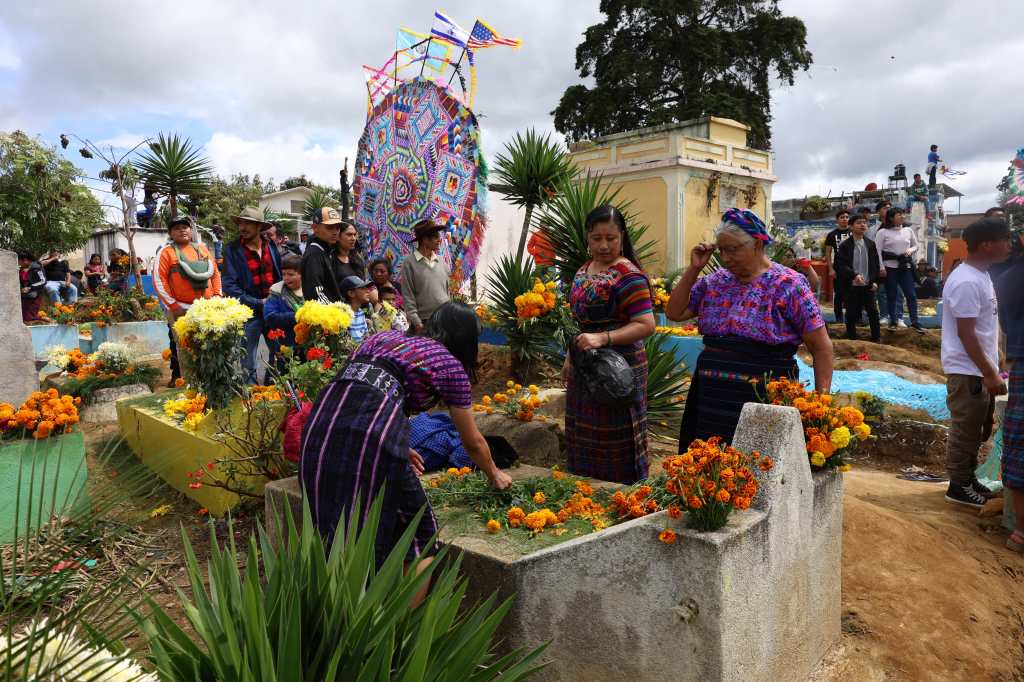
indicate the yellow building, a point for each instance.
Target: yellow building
{"x":680,"y":178}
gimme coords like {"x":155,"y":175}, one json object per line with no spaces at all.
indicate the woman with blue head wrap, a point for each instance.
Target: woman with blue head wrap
{"x":753,"y":314}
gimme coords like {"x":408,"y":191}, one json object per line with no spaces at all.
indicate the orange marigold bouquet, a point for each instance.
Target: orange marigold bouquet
{"x":832,"y":432}
{"x":518,"y":402}
{"x":710,"y":480}
{"x":538,"y":301}
{"x":44,"y":414}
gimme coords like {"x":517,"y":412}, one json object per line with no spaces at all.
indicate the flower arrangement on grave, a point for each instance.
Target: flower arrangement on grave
{"x":112,"y":365}
{"x":44,"y":414}
{"x":711,"y":480}
{"x":659,"y":294}
{"x":189,"y":409}
{"x":832,"y":432}
{"x":516,"y":401}
{"x":384,"y":319}
{"x":322,"y":345}
{"x":66,"y":360}
{"x":557,"y":504}
{"x":485,"y":314}
{"x":208,"y":336}
{"x":685,"y":330}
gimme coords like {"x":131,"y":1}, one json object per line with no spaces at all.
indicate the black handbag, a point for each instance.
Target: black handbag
{"x":605,"y":376}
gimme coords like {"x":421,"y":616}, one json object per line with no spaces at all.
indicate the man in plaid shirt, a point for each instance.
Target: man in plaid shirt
{"x":252,"y":265}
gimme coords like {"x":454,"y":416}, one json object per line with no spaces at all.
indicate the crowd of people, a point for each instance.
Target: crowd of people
{"x":51,"y":278}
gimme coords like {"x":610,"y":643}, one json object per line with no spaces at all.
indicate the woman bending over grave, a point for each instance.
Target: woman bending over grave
{"x":753,"y":315}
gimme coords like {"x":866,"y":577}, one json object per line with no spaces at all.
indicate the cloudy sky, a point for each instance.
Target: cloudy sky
{"x":276,"y":88}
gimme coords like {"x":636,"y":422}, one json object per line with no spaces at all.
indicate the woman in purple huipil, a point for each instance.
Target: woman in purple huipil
{"x":356,"y":438}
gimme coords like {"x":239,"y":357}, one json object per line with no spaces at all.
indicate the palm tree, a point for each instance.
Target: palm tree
{"x":528,"y":173}
{"x":320,"y":198}
{"x":175,"y":167}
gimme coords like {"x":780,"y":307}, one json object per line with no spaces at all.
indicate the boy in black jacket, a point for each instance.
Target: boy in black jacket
{"x":320,"y":281}
{"x":857,"y":268}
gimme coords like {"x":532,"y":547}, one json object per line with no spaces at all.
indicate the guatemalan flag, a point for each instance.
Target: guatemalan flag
{"x":446,"y":29}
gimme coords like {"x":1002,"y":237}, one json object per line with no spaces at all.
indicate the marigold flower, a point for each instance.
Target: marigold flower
{"x":818,"y":459}
{"x":722,"y":495}
{"x":538,"y":497}
{"x":667,"y":536}
{"x":166,"y":354}
{"x":452,"y":471}
{"x":493,"y":526}
{"x":510,"y":384}
{"x":464,"y":470}
{"x":694,"y":502}
{"x":674,"y":511}
{"x":844,"y":467}
{"x":863,"y":431}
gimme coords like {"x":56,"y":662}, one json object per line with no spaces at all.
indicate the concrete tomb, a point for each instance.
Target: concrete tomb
{"x":18,"y":378}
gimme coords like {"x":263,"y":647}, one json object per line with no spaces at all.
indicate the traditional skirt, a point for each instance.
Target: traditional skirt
{"x":730,"y":372}
{"x":1013,"y":430}
{"x":356,"y":441}
{"x":608,"y":442}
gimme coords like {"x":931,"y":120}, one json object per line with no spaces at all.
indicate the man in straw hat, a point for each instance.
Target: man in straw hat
{"x":424,"y":276}
{"x":252,"y":265}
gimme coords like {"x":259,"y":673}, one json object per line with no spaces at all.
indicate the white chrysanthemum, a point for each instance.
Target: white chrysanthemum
{"x":115,"y":356}
{"x":57,"y":356}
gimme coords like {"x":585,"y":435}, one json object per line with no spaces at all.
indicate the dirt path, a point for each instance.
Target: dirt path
{"x":929,"y":591}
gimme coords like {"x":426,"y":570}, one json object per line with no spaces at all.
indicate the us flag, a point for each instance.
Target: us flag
{"x":483,"y":35}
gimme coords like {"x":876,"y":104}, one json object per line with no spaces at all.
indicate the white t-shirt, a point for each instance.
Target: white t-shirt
{"x":968,"y":292}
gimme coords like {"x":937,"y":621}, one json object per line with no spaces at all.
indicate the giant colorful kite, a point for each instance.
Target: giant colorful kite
{"x":419,"y":156}
{"x":1014,"y":180}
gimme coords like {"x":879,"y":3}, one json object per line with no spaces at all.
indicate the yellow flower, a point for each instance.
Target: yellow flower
{"x":844,"y":468}
{"x":330,"y":318}
{"x":493,"y":526}
{"x":840,"y":437}
{"x":533,"y":389}
{"x":862,"y":431}
{"x":818,"y":459}
{"x":510,"y":384}
{"x":538,"y":497}
{"x":453,"y":471}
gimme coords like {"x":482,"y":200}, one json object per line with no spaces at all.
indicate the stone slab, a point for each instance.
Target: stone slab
{"x":41,"y":479}
{"x":759,"y":599}
{"x":103,"y":407}
{"x":171,"y":451}
{"x":18,"y":377}
{"x":538,"y":443}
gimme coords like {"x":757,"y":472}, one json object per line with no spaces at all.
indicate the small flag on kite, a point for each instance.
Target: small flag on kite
{"x":484,"y":36}
{"x":446,"y":29}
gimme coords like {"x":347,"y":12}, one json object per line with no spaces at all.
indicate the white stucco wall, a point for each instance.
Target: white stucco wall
{"x":505,"y":222}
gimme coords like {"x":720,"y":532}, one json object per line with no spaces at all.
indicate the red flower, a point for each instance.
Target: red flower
{"x":328,"y":362}
{"x":211,"y":466}
{"x":863,"y":356}
{"x":315,"y":354}
{"x":195,"y":485}
{"x":275,"y":334}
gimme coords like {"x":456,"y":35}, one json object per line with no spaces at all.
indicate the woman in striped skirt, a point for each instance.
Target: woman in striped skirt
{"x":356,"y":439}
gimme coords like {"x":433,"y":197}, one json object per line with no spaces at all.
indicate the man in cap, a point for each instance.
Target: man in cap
{"x":319,"y":266}
{"x":424,"y":276}
{"x":252,"y":265}
{"x":183,"y":272}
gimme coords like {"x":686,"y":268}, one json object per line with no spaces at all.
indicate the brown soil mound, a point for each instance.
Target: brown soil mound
{"x":918,"y":352}
{"x":929,"y":591}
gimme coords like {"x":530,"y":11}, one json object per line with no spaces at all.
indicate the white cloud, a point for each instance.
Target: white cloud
{"x":278,"y":157}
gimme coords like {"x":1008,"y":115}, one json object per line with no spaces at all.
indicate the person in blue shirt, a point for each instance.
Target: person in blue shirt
{"x":933,"y":164}
{"x":284,"y":301}
{"x":356,"y":292}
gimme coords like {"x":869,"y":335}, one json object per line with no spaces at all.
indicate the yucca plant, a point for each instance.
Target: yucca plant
{"x":320,"y":198}
{"x":562,"y":221}
{"x":300,"y":612}
{"x":666,"y":384}
{"x":175,"y":167}
{"x":44,"y":599}
{"x":528,"y":172}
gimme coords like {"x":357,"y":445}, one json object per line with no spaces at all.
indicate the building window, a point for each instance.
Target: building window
{"x":298,"y":207}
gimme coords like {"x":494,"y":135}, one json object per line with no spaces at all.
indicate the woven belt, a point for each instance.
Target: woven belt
{"x":376,"y":373}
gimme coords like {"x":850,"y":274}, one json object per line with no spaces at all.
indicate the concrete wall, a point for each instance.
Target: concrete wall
{"x":18,"y":376}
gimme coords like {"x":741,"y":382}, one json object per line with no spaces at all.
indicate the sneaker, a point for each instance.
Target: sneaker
{"x":901,"y":324}
{"x":918,"y":328}
{"x":965,"y":495}
{"x":980,"y":488}
{"x":892,"y":326}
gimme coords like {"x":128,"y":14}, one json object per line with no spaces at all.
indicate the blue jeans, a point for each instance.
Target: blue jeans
{"x":55,"y":290}
{"x":253,"y":331}
{"x":883,"y":301}
{"x":895,"y":280}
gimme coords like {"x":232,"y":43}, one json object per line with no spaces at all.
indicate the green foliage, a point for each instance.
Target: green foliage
{"x":222,"y":199}
{"x":300,"y":612}
{"x":666,"y":384}
{"x":562,"y":221}
{"x":528,"y":172}
{"x":296,"y":181}
{"x":42,"y":205}
{"x":320,"y":198}
{"x":176,"y":168}
{"x":656,"y":62}
{"x":86,"y":387}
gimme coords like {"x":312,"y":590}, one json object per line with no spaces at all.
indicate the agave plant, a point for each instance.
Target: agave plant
{"x":175,"y":167}
{"x":528,"y":173}
{"x":300,"y":612}
{"x":561,"y":221}
{"x":666,"y":383}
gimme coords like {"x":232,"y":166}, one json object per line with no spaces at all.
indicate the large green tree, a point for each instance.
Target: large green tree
{"x":43,"y":205}
{"x":664,"y":61}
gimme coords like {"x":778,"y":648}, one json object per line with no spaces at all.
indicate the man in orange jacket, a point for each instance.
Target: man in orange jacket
{"x":183,"y":273}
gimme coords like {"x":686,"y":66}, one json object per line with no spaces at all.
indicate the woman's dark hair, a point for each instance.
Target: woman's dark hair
{"x":379,"y":261}
{"x":353,"y":256}
{"x":934,"y":147}
{"x":456,"y":327}
{"x":95,"y":255}
{"x":610,"y":214}
{"x":888,"y":223}
{"x":26,"y":255}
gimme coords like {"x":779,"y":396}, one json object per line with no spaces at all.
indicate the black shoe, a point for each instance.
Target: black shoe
{"x":982,"y":490}
{"x":965,"y":495}
{"x":893,"y":327}
{"x":878,"y":340}
{"x":916,"y":326}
